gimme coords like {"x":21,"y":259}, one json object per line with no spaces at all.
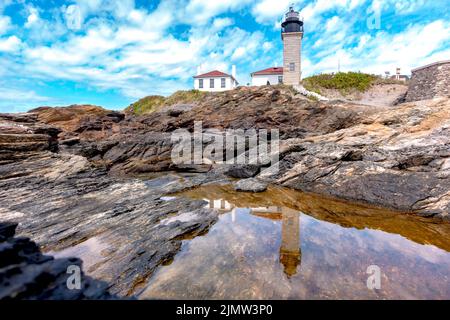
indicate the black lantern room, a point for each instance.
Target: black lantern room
{"x":292,"y":22}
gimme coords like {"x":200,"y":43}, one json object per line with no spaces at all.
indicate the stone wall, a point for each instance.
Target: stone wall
{"x":429,"y":82}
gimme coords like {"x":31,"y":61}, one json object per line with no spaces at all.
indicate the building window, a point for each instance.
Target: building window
{"x":222,"y":82}
{"x":292,"y":66}
{"x":211,"y":83}
{"x":280,"y":79}
{"x":200,"y":83}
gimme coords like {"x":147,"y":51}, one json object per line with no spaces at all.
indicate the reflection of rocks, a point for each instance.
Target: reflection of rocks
{"x":27,"y":274}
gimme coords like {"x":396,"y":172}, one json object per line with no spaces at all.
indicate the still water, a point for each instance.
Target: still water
{"x":283,"y":244}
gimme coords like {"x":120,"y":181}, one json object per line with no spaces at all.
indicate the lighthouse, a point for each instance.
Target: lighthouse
{"x":292,"y":35}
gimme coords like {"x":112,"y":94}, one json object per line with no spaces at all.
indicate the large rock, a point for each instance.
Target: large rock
{"x":27,"y":274}
{"x":397,"y":158}
{"x":250,"y":185}
{"x":85,"y":121}
{"x":62,"y":201}
{"x":242,"y":171}
{"x":21,"y":134}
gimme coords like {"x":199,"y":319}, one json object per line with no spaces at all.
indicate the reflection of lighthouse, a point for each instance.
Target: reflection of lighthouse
{"x":290,"y":253}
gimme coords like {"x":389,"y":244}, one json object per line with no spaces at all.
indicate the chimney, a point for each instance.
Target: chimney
{"x":233,"y":71}
{"x":199,"y":70}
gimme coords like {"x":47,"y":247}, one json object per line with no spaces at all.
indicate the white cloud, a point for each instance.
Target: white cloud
{"x":220,"y":23}
{"x":130,"y":49}
{"x":130,"y":55}
{"x":313,"y":12}
{"x":267,"y":46}
{"x":20,"y":100}
{"x":333,"y":23}
{"x":5,"y":24}
{"x":407,"y":6}
{"x":416,"y":46}
{"x":266,"y":11}
{"x":20,"y":95}
{"x":33,"y":17}
{"x":199,"y":12}
{"x":10,"y":44}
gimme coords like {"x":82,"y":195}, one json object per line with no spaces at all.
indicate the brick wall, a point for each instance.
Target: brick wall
{"x":429,"y":82}
{"x":292,"y":45}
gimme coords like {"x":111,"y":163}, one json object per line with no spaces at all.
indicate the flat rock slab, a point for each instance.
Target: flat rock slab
{"x":62,"y":201}
{"x":250,"y":185}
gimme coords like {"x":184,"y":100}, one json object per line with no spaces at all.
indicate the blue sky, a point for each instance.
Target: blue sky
{"x":111,"y":52}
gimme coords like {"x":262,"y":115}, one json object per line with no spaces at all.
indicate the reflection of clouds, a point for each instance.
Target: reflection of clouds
{"x":398,"y":243}
{"x":90,"y":251}
{"x":374,"y":240}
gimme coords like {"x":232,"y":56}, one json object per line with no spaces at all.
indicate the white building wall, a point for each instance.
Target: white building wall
{"x":229,"y":84}
{"x":261,"y":80}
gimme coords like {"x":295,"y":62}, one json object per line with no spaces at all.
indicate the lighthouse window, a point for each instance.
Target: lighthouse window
{"x":222,"y":82}
{"x":292,"y":66}
{"x":211,"y":83}
{"x":280,"y":79}
{"x":200,"y":83}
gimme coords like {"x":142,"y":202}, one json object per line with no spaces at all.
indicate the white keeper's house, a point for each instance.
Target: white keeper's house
{"x":269,"y":76}
{"x":215,"y":81}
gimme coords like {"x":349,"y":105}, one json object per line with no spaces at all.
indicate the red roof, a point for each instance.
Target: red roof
{"x":268,"y":71}
{"x":213,"y":74}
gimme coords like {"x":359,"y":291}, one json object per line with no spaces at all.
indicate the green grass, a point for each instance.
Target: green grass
{"x":155,"y":103}
{"x":345,"y":82}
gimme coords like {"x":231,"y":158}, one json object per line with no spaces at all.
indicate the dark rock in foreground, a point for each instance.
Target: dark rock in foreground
{"x":27,"y":274}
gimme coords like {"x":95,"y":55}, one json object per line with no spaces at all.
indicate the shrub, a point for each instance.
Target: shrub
{"x":155,"y":103}
{"x":146,"y":105}
{"x":342,"y":81}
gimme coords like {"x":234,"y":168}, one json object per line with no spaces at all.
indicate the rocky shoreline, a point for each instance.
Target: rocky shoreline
{"x":70,"y":174}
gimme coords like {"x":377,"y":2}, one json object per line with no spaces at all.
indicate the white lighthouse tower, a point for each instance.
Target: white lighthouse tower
{"x":292,"y":35}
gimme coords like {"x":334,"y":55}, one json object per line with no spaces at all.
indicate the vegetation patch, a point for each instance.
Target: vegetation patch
{"x":345,"y":82}
{"x":155,"y":103}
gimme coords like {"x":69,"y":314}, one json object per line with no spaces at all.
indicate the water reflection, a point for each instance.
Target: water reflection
{"x":287,"y":245}
{"x":290,"y":250}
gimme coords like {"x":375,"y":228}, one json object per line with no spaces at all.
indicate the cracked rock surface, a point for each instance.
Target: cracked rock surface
{"x":67,"y":176}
